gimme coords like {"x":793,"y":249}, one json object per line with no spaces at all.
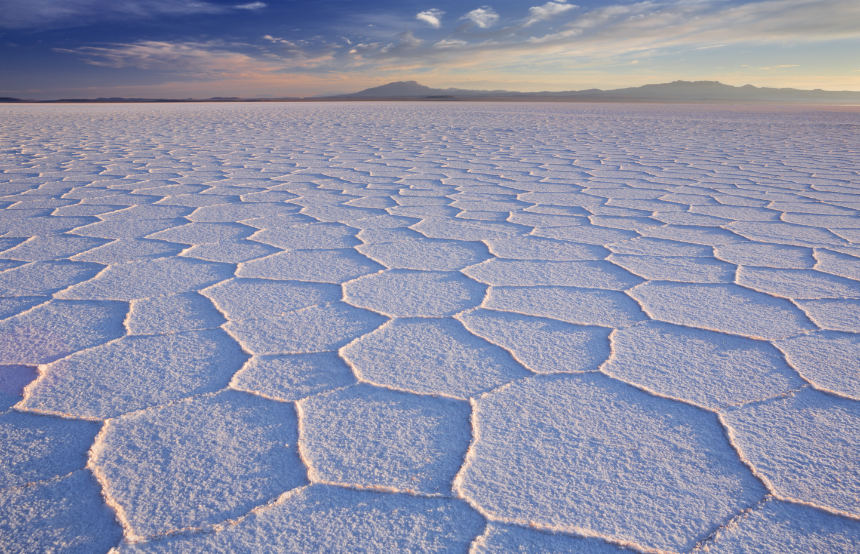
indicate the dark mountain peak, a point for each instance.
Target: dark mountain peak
{"x":686,"y":85}
{"x":397,"y":89}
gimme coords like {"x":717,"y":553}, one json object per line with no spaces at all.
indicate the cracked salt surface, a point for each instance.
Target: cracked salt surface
{"x":386,"y":327}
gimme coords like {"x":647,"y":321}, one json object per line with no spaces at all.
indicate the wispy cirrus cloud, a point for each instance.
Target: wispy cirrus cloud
{"x":251,"y":6}
{"x":200,"y":59}
{"x":548,"y":11}
{"x":209,"y":59}
{"x":432,"y":17}
{"x":279,"y":40}
{"x":450,"y":43}
{"x":484,"y":17}
{"x":18,"y":14}
{"x":675,"y":23}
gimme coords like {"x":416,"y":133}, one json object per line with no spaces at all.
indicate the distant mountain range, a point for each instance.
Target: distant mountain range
{"x":677,"y":91}
{"x":674,"y":92}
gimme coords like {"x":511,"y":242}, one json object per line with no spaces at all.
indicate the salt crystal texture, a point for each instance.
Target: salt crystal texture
{"x":376,"y":327}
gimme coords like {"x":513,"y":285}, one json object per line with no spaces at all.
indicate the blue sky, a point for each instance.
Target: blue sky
{"x":202,"y":48}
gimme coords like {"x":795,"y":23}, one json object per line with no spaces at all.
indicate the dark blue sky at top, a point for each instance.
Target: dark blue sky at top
{"x":51,"y":48}
{"x":39,"y":27}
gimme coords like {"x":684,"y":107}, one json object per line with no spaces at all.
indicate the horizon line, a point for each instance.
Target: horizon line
{"x":488,"y":93}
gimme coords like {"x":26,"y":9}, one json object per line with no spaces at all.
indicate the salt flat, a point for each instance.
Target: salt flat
{"x":429,"y":327}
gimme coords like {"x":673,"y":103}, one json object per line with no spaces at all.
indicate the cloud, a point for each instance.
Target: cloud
{"x":59,"y":13}
{"x":450,"y":43}
{"x":251,"y":6}
{"x":432,"y":17}
{"x":406,"y":41}
{"x":483,"y":17}
{"x":279,"y":40}
{"x":653,"y":24}
{"x":781,"y":66}
{"x":192,"y":59}
{"x":547,"y":11}
{"x":409,"y":40}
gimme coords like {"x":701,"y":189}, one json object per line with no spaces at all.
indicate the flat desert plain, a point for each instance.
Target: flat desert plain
{"x":429,"y":327}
